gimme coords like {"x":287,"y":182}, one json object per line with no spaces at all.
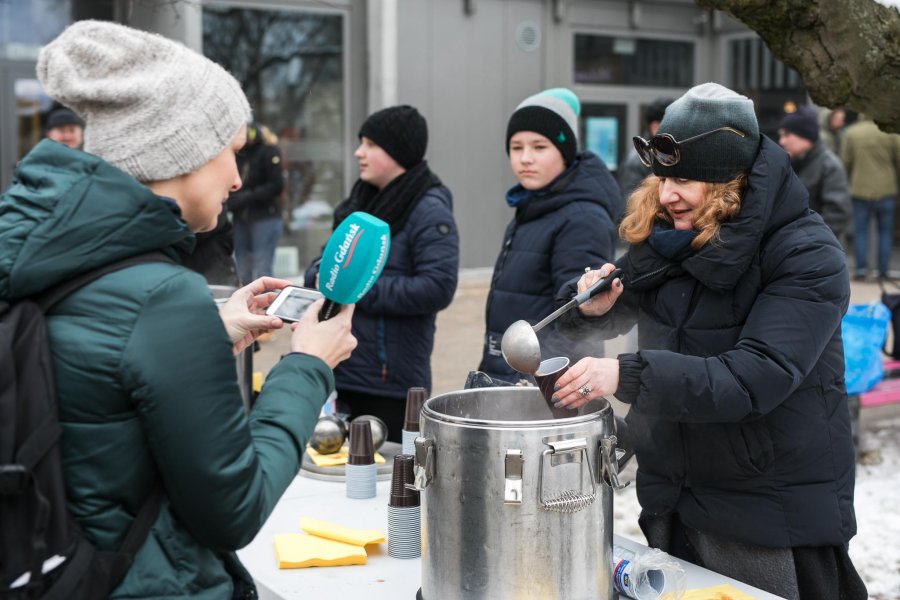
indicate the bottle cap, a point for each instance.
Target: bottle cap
{"x":362,"y":452}
{"x":415,"y":398}
{"x":403,"y":474}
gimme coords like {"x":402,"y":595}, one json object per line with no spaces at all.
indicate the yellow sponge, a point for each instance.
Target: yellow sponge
{"x":338,"y":458}
{"x":348,"y":535}
{"x":297,"y":550}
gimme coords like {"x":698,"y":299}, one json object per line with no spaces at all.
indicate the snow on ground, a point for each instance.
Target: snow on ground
{"x":875,"y":550}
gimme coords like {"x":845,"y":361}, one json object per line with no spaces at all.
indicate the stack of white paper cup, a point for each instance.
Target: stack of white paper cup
{"x":404,"y":512}
{"x":360,"y":470}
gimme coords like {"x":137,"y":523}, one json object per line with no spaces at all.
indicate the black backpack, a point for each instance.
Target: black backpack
{"x":43,"y":553}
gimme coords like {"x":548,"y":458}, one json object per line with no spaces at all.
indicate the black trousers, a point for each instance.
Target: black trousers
{"x":799,"y":573}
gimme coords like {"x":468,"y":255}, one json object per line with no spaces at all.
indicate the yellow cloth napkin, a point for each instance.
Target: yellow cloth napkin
{"x":338,"y":458}
{"x":716,"y":592}
{"x":298,"y":550}
{"x":348,"y":535}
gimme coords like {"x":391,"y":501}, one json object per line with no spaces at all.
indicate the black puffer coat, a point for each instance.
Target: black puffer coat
{"x":556,"y":233}
{"x":738,"y":406}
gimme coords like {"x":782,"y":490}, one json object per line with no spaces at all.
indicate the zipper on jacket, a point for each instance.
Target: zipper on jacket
{"x":650,"y":274}
{"x":382,"y":349}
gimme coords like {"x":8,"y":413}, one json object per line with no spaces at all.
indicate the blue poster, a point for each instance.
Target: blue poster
{"x":602,"y":139}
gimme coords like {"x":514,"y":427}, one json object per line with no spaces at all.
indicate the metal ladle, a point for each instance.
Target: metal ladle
{"x":520,"y":346}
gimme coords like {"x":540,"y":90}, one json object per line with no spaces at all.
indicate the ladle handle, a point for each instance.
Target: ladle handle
{"x":601,"y":286}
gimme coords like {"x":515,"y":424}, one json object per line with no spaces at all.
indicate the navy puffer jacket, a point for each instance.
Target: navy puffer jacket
{"x":555,"y":234}
{"x":738,"y":406}
{"x":394,"y":323}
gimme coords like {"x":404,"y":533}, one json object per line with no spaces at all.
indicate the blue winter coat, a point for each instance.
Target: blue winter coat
{"x":555,"y":234}
{"x":394,"y":323}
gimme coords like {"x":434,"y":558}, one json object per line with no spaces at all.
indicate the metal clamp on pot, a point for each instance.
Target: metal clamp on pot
{"x":423,"y":468}
{"x":612,"y":459}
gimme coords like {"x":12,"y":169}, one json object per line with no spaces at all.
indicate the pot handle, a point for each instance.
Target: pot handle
{"x":423,"y":465}
{"x":611,"y":460}
{"x":569,"y":501}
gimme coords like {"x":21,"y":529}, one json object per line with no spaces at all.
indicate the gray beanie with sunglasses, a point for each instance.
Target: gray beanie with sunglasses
{"x":719,"y":156}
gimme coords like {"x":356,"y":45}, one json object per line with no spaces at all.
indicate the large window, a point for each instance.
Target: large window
{"x":754,"y":72}
{"x":613,"y":60}
{"x":26,"y":25}
{"x":290,"y":64}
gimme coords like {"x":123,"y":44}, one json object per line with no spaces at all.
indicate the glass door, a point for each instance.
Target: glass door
{"x":291,"y":63}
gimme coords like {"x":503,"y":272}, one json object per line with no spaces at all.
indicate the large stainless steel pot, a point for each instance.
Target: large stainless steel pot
{"x":516,"y":504}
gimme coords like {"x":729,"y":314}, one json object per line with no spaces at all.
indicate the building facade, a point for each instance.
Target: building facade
{"x":313,"y":70}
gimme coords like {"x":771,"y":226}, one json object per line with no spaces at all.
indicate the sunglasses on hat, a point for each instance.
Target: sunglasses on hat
{"x":666,"y":149}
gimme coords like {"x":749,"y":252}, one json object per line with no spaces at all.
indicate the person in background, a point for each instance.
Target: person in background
{"x":821,"y":172}
{"x":633,"y":171}
{"x":143,"y":360}
{"x":65,"y":127}
{"x":832,"y":124}
{"x":737,"y":404}
{"x":872,"y":160}
{"x":566,"y":206}
{"x":213,"y":255}
{"x":256,"y":207}
{"x":395,"y":320}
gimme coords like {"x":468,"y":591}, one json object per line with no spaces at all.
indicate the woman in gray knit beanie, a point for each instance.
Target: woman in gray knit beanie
{"x":143,"y":360}
{"x":738,"y":409}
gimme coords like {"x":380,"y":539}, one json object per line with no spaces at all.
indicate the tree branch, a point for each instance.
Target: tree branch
{"x":846,"y":51}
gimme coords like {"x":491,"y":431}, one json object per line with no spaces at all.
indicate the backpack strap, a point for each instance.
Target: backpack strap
{"x":50,"y":297}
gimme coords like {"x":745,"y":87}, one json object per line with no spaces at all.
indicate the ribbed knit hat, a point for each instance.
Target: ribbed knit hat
{"x":152,"y":107}
{"x":400,"y":131}
{"x":803,"y":122}
{"x":718,"y":157}
{"x":552,"y":113}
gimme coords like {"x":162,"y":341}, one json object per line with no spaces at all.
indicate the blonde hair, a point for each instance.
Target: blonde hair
{"x":722,"y":202}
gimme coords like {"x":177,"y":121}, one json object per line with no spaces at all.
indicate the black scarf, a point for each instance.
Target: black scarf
{"x":394,"y":203}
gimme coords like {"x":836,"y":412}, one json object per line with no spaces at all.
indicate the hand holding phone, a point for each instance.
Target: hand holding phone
{"x":292,"y":302}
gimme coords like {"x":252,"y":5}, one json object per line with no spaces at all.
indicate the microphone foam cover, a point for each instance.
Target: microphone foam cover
{"x":354,"y":258}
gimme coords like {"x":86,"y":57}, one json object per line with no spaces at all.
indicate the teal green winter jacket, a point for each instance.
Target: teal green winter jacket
{"x":146,"y":380}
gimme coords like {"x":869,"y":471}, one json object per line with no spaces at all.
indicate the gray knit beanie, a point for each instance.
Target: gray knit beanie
{"x":552,"y":113}
{"x":718,"y":157}
{"x":152,"y":107}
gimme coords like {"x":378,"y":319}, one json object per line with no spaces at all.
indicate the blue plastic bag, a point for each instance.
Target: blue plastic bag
{"x":864,"y":329}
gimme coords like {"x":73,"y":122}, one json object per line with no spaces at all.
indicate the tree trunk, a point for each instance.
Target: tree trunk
{"x":846,"y":51}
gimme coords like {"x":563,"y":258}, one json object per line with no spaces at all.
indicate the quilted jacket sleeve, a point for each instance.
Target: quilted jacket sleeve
{"x":222,"y":472}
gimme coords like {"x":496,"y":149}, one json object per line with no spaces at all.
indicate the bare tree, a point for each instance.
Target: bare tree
{"x":846,"y":51}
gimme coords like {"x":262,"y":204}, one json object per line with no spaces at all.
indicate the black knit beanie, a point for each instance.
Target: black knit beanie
{"x":63,"y":116}
{"x":803,"y":123}
{"x":401,"y":131}
{"x":718,"y":157}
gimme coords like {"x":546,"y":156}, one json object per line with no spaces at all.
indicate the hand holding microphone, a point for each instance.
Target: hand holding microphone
{"x":351,"y":262}
{"x":329,"y":340}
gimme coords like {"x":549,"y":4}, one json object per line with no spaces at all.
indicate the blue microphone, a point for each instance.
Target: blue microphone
{"x":352,"y":260}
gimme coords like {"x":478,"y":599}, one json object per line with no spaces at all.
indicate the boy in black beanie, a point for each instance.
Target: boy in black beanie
{"x":394,"y":322}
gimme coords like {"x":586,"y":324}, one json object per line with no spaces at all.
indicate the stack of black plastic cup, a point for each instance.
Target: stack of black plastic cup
{"x":404,"y":512}
{"x":415,"y":398}
{"x":360,"y":470}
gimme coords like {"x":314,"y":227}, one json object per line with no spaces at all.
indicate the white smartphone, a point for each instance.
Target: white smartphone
{"x":291,"y":302}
